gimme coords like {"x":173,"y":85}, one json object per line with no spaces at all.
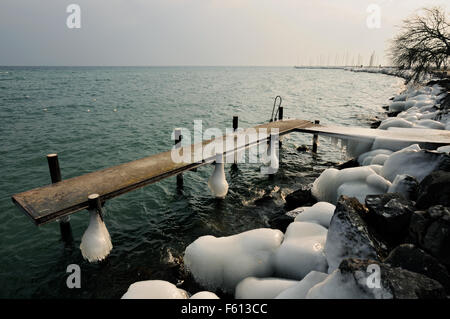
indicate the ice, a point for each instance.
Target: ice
{"x":355,"y":181}
{"x":405,"y":185}
{"x":431,"y":124}
{"x":204,"y":295}
{"x":373,"y":153}
{"x":301,"y":288}
{"x":301,"y":250}
{"x":223,"y":262}
{"x":346,"y":286}
{"x":154,"y":289}
{"x":96,"y":241}
{"x":411,"y":161}
{"x":397,"y":106}
{"x":320,"y":213}
{"x":444,"y":149}
{"x":395,"y":122}
{"x":379,"y":159}
{"x":262,"y":288}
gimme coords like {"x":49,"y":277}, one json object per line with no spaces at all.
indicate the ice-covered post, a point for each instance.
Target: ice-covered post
{"x":55,"y":174}
{"x":235,"y":127}
{"x":315,"y":139}
{"x":178,"y":138}
{"x":96,"y":242}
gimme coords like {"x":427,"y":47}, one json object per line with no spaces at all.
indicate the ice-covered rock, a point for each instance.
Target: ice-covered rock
{"x":262,"y":288}
{"x":366,"y":158}
{"x":389,"y":215}
{"x":154,"y":289}
{"x":204,"y":295}
{"x":356,"y":182}
{"x":395,"y":122}
{"x":434,"y":190}
{"x":444,"y":149}
{"x":301,"y":250}
{"x":320,"y":213}
{"x":301,"y":288}
{"x":406,"y":185}
{"x":348,"y":235}
{"x":412,"y":161}
{"x":223,"y":262}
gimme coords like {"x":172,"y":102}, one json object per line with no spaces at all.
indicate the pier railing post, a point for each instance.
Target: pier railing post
{"x":55,"y":174}
{"x":280,"y":113}
{"x":315,"y":139}
{"x":235,"y":127}
{"x":178,"y":138}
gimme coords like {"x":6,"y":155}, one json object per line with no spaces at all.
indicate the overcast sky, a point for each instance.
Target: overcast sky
{"x":197,"y":32}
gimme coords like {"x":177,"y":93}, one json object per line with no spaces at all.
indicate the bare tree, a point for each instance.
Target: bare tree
{"x":423,"y":43}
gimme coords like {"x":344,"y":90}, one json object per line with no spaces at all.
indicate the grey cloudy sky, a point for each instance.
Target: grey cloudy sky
{"x":196,"y":32}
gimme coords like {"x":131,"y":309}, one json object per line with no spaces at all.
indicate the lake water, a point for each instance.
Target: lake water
{"x":98,"y":117}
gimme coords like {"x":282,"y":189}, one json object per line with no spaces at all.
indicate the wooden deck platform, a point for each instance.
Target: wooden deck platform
{"x":47,"y":203}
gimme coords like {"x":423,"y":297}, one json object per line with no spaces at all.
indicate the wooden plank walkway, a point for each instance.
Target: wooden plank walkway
{"x":47,"y":203}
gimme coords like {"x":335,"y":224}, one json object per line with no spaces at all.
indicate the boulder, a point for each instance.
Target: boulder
{"x":390,"y":215}
{"x":395,"y":282}
{"x":299,"y":198}
{"x":434,"y":190}
{"x":406,"y":185}
{"x":412,"y":258}
{"x":348,"y":234}
{"x":431,"y":231}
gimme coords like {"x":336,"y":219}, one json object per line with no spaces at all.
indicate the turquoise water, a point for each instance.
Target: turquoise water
{"x":98,"y":117}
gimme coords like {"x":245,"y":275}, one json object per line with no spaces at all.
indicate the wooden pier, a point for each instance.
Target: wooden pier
{"x":62,"y":198}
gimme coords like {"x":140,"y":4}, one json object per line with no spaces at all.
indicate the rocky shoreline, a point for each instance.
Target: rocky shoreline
{"x":377,"y":226}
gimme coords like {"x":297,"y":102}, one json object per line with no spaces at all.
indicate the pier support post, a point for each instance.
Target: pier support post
{"x":235,"y":127}
{"x":280,"y":113}
{"x":315,"y":139}
{"x":55,"y":174}
{"x":178,"y":138}
{"x":95,"y":204}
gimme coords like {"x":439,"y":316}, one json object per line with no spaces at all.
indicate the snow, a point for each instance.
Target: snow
{"x":204,"y":295}
{"x":320,"y":213}
{"x":301,"y":250}
{"x":301,"y":288}
{"x":154,"y":289}
{"x":223,"y":262}
{"x":262,"y":288}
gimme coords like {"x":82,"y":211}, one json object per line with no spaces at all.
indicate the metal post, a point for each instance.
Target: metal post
{"x":178,"y":138}
{"x":280,"y":113}
{"x":315,"y":139}
{"x":95,"y":204}
{"x":55,"y":174}
{"x":235,"y":127}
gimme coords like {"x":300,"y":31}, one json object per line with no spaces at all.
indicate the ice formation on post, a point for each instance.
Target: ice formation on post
{"x":301,"y":250}
{"x":223,"y":262}
{"x":96,"y":242}
{"x":262,"y":288}
{"x":154,"y":289}
{"x":217,"y":183}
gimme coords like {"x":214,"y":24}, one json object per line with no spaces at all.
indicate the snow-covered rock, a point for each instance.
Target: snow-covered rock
{"x":154,"y":289}
{"x":223,"y":262}
{"x":301,"y":288}
{"x":301,"y":250}
{"x":262,"y":288}
{"x":320,"y":213}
